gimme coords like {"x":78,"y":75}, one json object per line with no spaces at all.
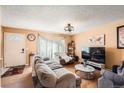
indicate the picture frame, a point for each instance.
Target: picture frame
{"x":120,"y":37}
{"x":98,"y":40}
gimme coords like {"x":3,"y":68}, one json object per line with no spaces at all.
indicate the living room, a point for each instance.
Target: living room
{"x":59,"y":39}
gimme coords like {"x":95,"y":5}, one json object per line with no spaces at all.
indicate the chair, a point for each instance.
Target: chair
{"x":110,"y":80}
{"x":65,"y":59}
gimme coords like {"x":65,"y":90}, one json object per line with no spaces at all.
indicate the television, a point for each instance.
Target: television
{"x":95,"y":54}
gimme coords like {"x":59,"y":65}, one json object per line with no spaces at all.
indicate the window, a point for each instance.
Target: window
{"x":49,"y":48}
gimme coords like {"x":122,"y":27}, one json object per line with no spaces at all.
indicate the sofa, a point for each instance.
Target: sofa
{"x":65,"y":59}
{"x":49,"y":74}
{"x":110,"y":79}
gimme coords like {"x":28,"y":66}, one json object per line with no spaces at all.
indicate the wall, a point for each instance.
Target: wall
{"x":32,"y":45}
{"x":0,"y":44}
{"x":113,"y":55}
{"x":0,"y":40}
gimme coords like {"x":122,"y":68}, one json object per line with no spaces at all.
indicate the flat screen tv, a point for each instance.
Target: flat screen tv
{"x":95,"y":54}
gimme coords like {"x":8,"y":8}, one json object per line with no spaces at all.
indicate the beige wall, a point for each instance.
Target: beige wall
{"x":32,"y":45}
{"x":113,"y":55}
{"x":0,"y":32}
{"x":0,"y":40}
{"x":0,"y":44}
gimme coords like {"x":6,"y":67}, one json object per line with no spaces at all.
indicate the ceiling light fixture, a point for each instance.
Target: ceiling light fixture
{"x":69,"y":28}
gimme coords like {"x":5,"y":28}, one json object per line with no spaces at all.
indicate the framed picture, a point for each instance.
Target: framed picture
{"x":98,"y":40}
{"x":120,"y":37}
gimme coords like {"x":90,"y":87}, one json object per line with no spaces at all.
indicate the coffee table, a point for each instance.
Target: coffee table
{"x":85,"y":72}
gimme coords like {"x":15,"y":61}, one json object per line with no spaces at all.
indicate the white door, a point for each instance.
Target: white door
{"x":14,"y":49}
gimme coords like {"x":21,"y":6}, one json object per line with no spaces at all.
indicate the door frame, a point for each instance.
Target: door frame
{"x":4,"y":46}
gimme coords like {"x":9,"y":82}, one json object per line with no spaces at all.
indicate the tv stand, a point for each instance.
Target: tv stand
{"x":96,"y":65}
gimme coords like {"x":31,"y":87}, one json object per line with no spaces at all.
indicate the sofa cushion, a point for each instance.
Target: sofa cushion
{"x":55,"y":65}
{"x":66,"y":78}
{"x":62,"y":72}
{"x":105,"y":83}
{"x":108,"y":75}
{"x":118,"y":80}
{"x":46,"y":76}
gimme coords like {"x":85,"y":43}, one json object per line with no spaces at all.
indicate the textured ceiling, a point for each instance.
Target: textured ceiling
{"x":54,"y":18}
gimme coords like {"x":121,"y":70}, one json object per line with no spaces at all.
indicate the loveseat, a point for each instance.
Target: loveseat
{"x":51,"y":74}
{"x":110,"y":80}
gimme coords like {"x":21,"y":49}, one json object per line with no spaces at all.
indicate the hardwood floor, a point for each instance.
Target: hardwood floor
{"x":85,"y":83}
{"x":24,"y":80}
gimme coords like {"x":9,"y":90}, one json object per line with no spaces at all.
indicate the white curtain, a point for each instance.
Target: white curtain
{"x":50,"y":48}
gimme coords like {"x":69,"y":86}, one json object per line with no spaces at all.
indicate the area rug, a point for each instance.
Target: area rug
{"x":14,"y":71}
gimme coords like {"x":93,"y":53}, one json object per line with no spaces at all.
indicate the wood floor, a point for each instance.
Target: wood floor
{"x":86,"y":83}
{"x":24,"y":80}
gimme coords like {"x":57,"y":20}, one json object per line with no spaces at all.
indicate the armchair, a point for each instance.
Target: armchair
{"x":110,"y":80}
{"x":65,"y":59}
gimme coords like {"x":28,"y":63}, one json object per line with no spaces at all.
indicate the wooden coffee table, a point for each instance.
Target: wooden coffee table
{"x":85,"y":72}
